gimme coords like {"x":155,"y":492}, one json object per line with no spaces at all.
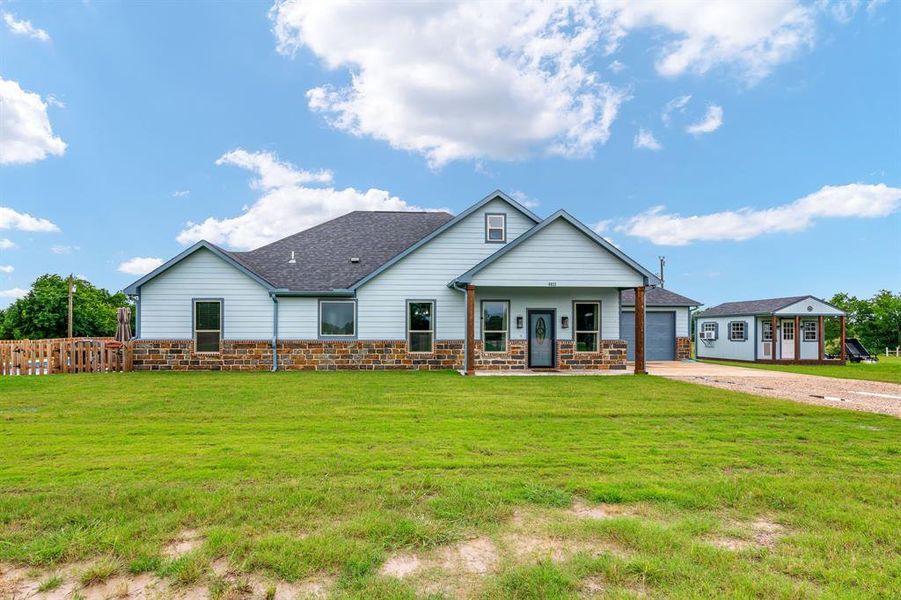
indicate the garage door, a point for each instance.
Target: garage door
{"x":660,"y":335}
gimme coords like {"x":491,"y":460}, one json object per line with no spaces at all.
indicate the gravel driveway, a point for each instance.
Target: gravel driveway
{"x":852,"y":394}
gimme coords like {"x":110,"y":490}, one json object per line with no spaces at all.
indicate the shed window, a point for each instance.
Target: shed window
{"x":767,"y":331}
{"x":737,"y":331}
{"x":337,"y":318}
{"x":495,"y":325}
{"x":420,"y":326}
{"x":810,"y":331}
{"x":495,"y":228}
{"x":207,"y":326}
{"x":709,"y":327}
{"x":588,"y":325}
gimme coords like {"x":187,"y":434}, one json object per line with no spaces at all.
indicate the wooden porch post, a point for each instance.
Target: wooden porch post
{"x":844,"y":352}
{"x":820,"y":337}
{"x":797,"y":337}
{"x":640,"y":368}
{"x":470,"y":329}
{"x":776,"y":340}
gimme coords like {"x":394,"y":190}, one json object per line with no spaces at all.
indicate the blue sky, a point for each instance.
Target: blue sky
{"x":127,"y":131}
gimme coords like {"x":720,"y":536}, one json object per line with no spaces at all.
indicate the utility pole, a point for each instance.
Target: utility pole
{"x":662,"y":264}
{"x":71,"y":283}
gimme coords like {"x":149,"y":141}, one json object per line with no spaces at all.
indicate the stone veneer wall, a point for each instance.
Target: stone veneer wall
{"x":256,"y":355}
{"x":611,"y":355}
{"x":683,"y":348}
{"x":331,"y":355}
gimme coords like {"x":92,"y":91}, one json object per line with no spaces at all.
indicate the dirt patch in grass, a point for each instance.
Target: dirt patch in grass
{"x":478,"y":556}
{"x":187,"y":541}
{"x":761,"y":533}
{"x":401,"y":565}
{"x":584,"y":510}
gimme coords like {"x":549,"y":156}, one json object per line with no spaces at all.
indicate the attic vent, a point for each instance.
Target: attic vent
{"x":293,"y":260}
{"x":354,"y":259}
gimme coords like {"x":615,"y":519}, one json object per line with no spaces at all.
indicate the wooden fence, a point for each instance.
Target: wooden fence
{"x":65,"y":355}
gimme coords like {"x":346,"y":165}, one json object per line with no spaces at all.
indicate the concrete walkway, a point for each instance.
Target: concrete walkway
{"x":852,"y":394}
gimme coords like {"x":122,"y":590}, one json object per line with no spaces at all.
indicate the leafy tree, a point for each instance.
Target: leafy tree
{"x":43,"y":312}
{"x":875,"y":322}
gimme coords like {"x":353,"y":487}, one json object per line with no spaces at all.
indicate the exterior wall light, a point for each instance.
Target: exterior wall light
{"x":564,"y":322}
{"x":519,"y":322}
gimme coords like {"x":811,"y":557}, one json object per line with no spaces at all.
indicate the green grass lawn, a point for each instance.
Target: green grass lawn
{"x":887,"y":369}
{"x":296,"y":475}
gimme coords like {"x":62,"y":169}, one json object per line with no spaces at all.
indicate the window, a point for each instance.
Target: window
{"x":737,"y":331}
{"x":420,"y":326}
{"x":810,"y":331}
{"x":767,"y":331}
{"x":495,"y":320}
{"x":337,"y":318}
{"x":709,"y":327}
{"x":207,"y":326}
{"x":495,"y":228}
{"x":588,"y":326}
{"x":788,"y":330}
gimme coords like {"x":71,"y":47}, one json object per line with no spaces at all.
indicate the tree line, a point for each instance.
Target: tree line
{"x":875,"y":321}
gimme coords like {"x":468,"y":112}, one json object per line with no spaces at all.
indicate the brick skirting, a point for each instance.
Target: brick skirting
{"x":317,"y":355}
{"x":312,"y":355}
{"x":683,"y":348}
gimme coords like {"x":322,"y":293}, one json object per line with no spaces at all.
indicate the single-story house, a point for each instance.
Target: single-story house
{"x":494,"y":287}
{"x":776,"y":330}
{"x":667,"y":324}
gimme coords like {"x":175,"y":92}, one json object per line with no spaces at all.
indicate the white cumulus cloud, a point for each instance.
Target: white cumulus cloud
{"x":14,"y":293}
{"x":6,"y":244}
{"x":7,"y":268}
{"x":713,"y":120}
{"x":645,"y":139}
{"x":64,"y":249}
{"x":140,"y":265}
{"x":12,"y":219}
{"x":22,"y":27}
{"x":856,"y":200}
{"x":25,"y":132}
{"x":287,"y":203}
{"x":452,"y":81}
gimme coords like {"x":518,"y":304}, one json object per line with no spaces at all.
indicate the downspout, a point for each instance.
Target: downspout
{"x":274,"y":332}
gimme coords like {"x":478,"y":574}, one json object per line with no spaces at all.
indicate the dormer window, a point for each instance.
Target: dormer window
{"x":496,"y":228}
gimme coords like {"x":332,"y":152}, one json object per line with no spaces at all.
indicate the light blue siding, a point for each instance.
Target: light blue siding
{"x":166,"y":307}
{"x":817,"y":308}
{"x":559,"y":255}
{"x":723,"y":347}
{"x":559,"y":299}
{"x":426,"y":272}
{"x":298,"y":318}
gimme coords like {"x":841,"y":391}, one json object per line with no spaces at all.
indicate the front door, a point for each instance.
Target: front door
{"x":542,"y":340}
{"x":788,"y":340}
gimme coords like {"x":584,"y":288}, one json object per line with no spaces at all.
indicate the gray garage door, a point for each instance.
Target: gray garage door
{"x":660,"y":335}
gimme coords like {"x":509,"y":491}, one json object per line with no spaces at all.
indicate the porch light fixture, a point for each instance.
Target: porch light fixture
{"x":564,"y":322}
{"x":519,"y":322}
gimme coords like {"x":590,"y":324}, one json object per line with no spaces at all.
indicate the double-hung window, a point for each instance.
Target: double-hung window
{"x":495,"y":325}
{"x":588,"y":325}
{"x":737,"y":331}
{"x":420,"y":326}
{"x":809,"y":328}
{"x":709,"y":327}
{"x":337,"y":318}
{"x":207,"y":326}
{"x":767,"y":335}
{"x":495,"y":228}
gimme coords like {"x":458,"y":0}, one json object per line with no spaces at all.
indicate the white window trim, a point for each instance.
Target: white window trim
{"x":196,"y":331}
{"x":805,"y":331}
{"x":708,"y":326}
{"x":502,"y":228}
{"x":788,"y":326}
{"x":596,"y":332}
{"x":337,"y":335}
{"x":430,"y":331}
{"x":763,"y":331}
{"x":506,"y":331}
{"x":743,"y":336}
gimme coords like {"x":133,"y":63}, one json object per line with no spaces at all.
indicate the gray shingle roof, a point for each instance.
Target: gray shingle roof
{"x":750,"y":307}
{"x":658,"y":297}
{"x":323,"y":252}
